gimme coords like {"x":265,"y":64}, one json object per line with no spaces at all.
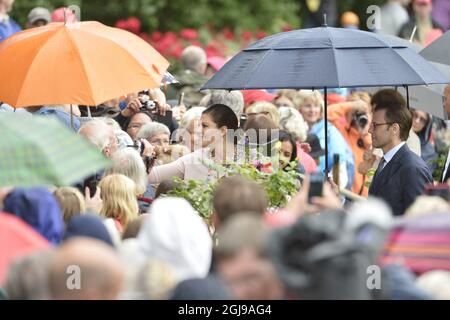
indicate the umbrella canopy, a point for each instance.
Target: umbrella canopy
{"x":17,"y":239}
{"x":83,"y":63}
{"x":439,"y":50}
{"x":438,"y":53}
{"x":422,"y":244}
{"x":425,"y":98}
{"x":168,"y":78}
{"x":40,"y":151}
{"x":325,"y":58}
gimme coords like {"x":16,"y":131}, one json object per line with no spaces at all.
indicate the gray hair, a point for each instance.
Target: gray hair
{"x":96,"y":132}
{"x":182,"y":134}
{"x":152,"y":129}
{"x":192,"y":114}
{"x":292,"y":121}
{"x":111,"y":122}
{"x":128,"y":162}
{"x":193,"y":58}
{"x":233,"y":99}
{"x":27,"y":278}
{"x":123,"y":139}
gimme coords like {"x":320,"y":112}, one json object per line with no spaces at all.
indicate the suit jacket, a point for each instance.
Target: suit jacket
{"x":401,"y":180}
{"x":445,"y":175}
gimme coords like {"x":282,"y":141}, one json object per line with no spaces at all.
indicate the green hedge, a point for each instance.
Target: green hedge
{"x":267,"y":15}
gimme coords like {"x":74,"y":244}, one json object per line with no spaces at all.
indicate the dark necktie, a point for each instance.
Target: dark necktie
{"x":381,"y":166}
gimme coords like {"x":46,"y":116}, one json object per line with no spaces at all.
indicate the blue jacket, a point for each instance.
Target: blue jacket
{"x":8,"y":28}
{"x":336,"y":145}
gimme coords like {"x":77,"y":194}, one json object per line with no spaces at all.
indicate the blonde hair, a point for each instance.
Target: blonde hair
{"x":265,"y":107}
{"x":359,"y":95}
{"x":129,"y":163}
{"x":118,"y":193}
{"x":315,"y":96}
{"x":71,"y":202}
{"x":292,"y":121}
{"x":290,"y":94}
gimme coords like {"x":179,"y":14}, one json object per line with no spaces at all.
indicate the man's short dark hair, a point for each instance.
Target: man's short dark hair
{"x":396,"y":110}
{"x":237,"y":194}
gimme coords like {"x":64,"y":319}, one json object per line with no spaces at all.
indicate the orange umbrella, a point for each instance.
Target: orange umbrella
{"x":83,"y":63}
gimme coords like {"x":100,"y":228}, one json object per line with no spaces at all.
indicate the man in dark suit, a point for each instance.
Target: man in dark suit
{"x":401,"y":174}
{"x":445,"y":175}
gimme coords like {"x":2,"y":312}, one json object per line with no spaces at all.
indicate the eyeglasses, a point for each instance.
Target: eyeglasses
{"x":374,"y":124}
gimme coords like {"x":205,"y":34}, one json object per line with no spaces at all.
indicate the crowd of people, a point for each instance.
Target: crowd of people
{"x":119,"y":234}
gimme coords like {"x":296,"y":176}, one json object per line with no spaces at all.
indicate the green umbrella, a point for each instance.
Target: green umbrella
{"x":40,"y":151}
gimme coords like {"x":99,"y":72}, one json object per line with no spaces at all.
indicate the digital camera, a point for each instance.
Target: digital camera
{"x":147,"y":103}
{"x":138,"y":146}
{"x":361,"y":119}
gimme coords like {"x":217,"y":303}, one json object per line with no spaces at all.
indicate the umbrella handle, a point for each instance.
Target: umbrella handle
{"x":327,"y":169}
{"x":413,"y":34}
{"x":407,"y":96}
{"x":71,"y":117}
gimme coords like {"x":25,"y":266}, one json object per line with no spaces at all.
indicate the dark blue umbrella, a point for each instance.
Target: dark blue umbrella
{"x":322,"y":58}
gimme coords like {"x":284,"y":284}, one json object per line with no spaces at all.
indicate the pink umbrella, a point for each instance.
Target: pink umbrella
{"x":16,"y":239}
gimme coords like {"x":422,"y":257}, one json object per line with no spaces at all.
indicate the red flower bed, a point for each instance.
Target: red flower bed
{"x":222,"y":44}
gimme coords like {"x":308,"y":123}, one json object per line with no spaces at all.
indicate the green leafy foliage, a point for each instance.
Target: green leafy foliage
{"x":279,"y":185}
{"x":440,"y":164}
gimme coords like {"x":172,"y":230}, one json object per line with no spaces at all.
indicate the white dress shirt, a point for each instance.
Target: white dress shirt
{"x":391,"y":153}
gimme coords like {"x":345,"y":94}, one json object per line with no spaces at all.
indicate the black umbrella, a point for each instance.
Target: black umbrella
{"x":323,"y":58}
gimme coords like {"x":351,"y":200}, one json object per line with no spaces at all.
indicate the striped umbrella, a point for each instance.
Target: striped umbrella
{"x":422,"y":244}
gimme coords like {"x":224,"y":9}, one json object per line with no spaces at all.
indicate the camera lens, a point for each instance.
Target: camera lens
{"x":139,"y":146}
{"x":361,"y":119}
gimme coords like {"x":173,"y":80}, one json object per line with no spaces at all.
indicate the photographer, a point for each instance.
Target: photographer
{"x":157,"y":134}
{"x":151,"y":102}
{"x":352,"y":119}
